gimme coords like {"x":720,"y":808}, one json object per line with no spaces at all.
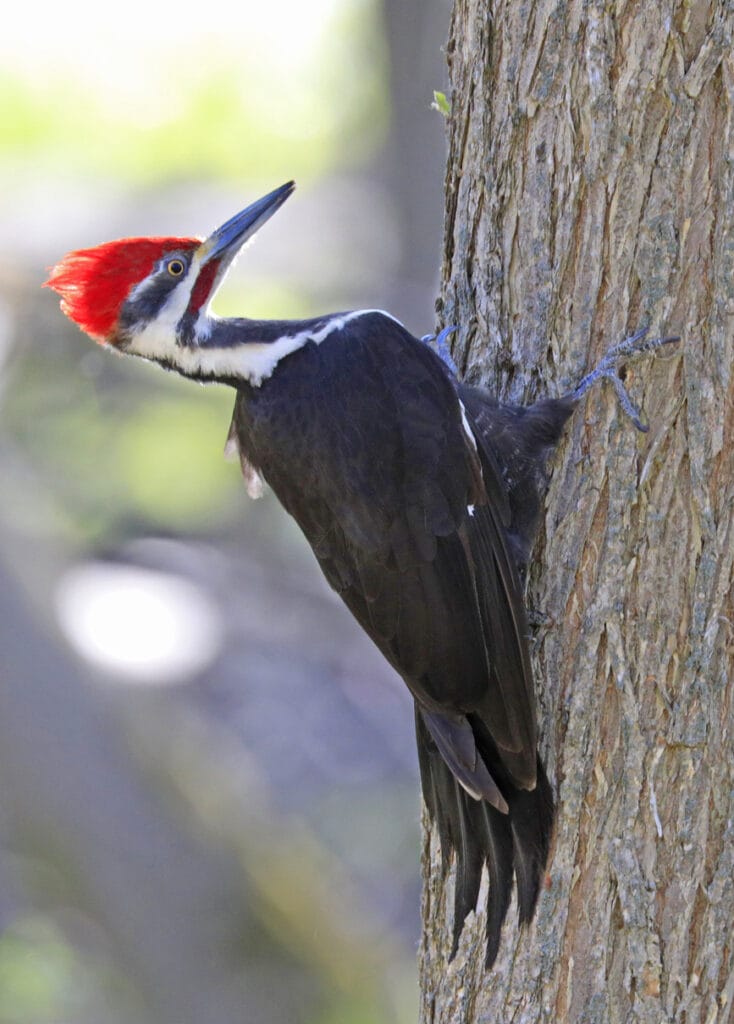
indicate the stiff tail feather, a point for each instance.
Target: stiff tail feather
{"x":514,"y":844}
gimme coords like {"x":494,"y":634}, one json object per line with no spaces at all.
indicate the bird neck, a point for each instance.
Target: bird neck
{"x":235,"y":350}
{"x":250,"y":350}
{"x":224,"y":350}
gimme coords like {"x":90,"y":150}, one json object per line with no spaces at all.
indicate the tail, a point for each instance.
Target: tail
{"x":514,"y":844}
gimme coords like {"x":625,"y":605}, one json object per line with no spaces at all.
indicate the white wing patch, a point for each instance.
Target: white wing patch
{"x":467,"y":429}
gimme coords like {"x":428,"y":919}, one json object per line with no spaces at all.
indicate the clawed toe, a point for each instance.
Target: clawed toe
{"x":608,"y":369}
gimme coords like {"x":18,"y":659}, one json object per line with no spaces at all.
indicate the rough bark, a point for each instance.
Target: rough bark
{"x":590,"y":190}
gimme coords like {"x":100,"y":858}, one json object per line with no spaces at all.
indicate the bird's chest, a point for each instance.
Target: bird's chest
{"x":288,"y":425}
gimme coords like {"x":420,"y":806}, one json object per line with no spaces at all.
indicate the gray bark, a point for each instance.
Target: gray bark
{"x":590,"y":191}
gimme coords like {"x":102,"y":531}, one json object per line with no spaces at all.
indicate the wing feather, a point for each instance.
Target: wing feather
{"x":401,"y":496}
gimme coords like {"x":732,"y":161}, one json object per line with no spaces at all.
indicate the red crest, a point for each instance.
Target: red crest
{"x":94,"y":283}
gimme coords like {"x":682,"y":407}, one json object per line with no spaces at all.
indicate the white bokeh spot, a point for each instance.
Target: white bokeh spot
{"x":138,"y":624}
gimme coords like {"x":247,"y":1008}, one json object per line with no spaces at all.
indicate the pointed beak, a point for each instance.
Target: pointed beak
{"x":224,"y":243}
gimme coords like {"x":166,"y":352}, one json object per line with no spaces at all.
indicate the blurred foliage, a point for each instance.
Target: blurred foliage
{"x":111,"y":442}
{"x":180,"y":113}
{"x":99,"y":447}
{"x":115,"y":446}
{"x":44,"y":978}
{"x":37,"y":973}
{"x":349,"y":1011}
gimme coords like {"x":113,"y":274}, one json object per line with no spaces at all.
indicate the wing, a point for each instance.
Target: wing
{"x":365,"y":442}
{"x":401,"y":496}
{"x":518,"y":439}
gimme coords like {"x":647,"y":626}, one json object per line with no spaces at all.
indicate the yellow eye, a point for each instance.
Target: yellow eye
{"x":175,"y":268}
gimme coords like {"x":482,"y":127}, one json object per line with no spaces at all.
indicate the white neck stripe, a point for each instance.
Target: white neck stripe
{"x":252,"y":361}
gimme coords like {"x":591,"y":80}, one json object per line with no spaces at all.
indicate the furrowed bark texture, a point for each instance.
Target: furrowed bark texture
{"x":590,"y":191}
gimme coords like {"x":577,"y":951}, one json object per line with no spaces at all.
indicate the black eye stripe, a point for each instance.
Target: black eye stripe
{"x":148,"y":298}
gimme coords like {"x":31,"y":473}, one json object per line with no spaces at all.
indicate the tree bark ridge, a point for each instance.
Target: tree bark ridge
{"x":590,"y":191}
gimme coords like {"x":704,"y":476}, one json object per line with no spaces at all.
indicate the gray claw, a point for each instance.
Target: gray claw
{"x":439,"y":345}
{"x":607,"y":368}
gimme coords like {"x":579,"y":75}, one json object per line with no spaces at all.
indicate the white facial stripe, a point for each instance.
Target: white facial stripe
{"x":157,"y":340}
{"x":252,"y":361}
{"x":256,"y":361}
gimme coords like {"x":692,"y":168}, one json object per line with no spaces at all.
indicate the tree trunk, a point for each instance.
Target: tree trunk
{"x":590,"y":191}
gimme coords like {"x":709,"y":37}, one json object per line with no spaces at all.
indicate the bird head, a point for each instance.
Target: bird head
{"x":146,"y":296}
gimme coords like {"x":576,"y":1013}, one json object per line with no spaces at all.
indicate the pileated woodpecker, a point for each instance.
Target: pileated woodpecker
{"x":418,"y":494}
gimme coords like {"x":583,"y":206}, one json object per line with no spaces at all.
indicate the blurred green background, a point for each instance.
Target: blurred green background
{"x":209,"y":806}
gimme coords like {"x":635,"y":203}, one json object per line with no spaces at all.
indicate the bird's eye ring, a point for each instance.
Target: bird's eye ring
{"x":176,"y":268}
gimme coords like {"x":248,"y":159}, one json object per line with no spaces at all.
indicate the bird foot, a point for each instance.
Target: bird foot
{"x":439,"y":344}
{"x":608,"y":368}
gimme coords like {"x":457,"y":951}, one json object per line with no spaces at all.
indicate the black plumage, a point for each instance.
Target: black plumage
{"x":419,"y":497}
{"x":418,"y":494}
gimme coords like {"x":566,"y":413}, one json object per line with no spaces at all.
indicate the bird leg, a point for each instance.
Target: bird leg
{"x":440,"y":346}
{"x":608,"y":368}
